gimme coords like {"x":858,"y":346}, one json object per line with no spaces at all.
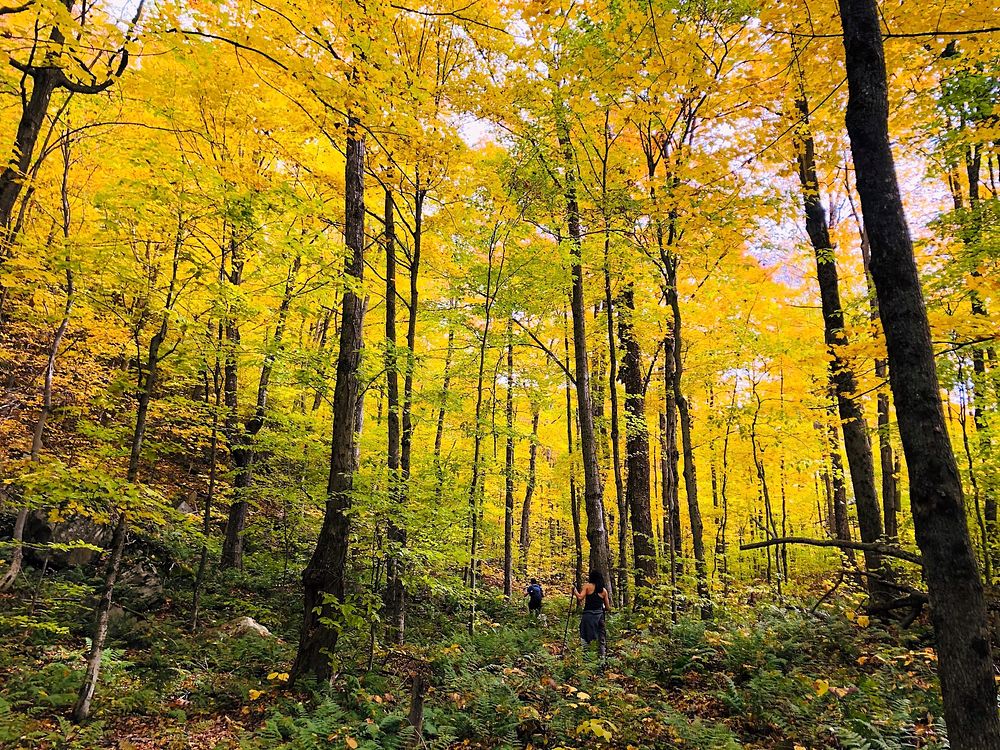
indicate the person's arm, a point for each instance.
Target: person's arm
{"x":581,"y":596}
{"x":607,"y":599}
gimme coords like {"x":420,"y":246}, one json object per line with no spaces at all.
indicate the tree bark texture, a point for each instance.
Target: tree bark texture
{"x":394,"y":596}
{"x":958,"y":609}
{"x":324,"y":579}
{"x":636,"y":445}
{"x":593,"y":491}
{"x":856,"y":444}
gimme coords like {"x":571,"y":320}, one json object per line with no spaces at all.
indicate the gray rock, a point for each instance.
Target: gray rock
{"x":140,"y":585}
{"x":243,"y":626}
{"x":74,"y":530}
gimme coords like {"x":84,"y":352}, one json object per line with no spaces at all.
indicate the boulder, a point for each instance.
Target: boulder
{"x":243,"y":626}
{"x":74,"y":530}
{"x":140,"y":585}
{"x":188,"y":505}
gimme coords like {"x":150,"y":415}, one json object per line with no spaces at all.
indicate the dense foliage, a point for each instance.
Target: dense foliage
{"x":610,"y":272}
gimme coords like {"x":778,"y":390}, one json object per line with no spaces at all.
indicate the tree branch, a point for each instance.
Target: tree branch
{"x":882,"y":549}
{"x":548,"y":351}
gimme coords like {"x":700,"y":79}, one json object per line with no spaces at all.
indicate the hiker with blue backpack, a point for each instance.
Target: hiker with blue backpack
{"x":535,"y":594}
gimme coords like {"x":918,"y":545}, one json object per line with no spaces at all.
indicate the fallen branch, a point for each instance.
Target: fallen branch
{"x":829,"y":593}
{"x":882,"y":549}
{"x":914,"y":602}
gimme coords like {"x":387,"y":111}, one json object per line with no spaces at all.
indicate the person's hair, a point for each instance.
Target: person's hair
{"x":534,"y":581}
{"x":596,"y":578}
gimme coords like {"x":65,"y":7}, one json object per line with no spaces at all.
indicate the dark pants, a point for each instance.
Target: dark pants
{"x":593,"y":628}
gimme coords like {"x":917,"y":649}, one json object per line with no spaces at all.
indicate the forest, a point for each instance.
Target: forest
{"x":334,"y":334}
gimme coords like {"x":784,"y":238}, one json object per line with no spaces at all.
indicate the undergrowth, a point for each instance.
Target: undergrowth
{"x":764,"y":677}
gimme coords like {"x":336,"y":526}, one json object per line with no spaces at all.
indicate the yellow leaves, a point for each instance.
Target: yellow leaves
{"x":256,"y":694}
{"x":600,"y":728}
{"x":862,"y":621}
{"x":278,"y":677}
{"x":351,"y":743}
{"x":823,"y":687}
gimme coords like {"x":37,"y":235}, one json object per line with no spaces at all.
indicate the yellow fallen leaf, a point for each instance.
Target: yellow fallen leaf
{"x":863,"y":621}
{"x":822,"y":687}
{"x":351,"y":742}
{"x":255,"y":694}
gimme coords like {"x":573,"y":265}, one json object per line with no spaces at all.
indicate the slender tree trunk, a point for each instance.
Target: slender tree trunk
{"x":574,"y":502}
{"x":841,"y":521}
{"x":406,"y":438}
{"x":980,"y":404}
{"x":242,"y":449}
{"x":842,"y":380}
{"x":670,"y":459}
{"x":476,"y":483}
{"x":442,"y":409}
{"x":620,"y":498}
{"x":636,"y":446}
{"x":17,"y":538}
{"x":81,"y":710}
{"x":891,"y":501}
{"x":213,"y":453}
{"x":394,"y":596}
{"x":325,"y":576}
{"x":324,"y":331}
{"x":524,"y":540}
{"x":508,"y":516}
{"x":687,"y":445}
{"x":593,"y":491}
{"x":958,"y":609}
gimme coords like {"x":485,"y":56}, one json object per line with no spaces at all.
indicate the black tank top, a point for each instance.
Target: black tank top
{"x":594,"y":601}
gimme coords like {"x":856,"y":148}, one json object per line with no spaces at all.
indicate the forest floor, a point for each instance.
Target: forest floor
{"x":763,"y":675}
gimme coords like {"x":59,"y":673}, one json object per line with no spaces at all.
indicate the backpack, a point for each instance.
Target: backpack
{"x":535,"y":592}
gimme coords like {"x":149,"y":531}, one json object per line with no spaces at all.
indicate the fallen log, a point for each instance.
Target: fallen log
{"x":883,"y":549}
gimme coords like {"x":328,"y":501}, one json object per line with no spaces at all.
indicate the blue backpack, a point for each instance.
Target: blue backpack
{"x":535,"y":593}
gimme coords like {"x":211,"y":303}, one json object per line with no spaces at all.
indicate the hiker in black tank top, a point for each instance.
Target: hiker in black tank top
{"x":595,"y":600}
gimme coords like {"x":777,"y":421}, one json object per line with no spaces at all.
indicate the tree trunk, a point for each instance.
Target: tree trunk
{"x":213,"y":453}
{"x":394,"y":596}
{"x":442,"y":410}
{"x":475,"y":485}
{"x":620,"y":493}
{"x":524,"y":540}
{"x":242,"y":448}
{"x":325,"y":576}
{"x":17,"y":538}
{"x":980,"y":404}
{"x":508,"y":516}
{"x":842,"y":380}
{"x":670,"y":460}
{"x":841,"y":525}
{"x":406,"y":438}
{"x":43,"y":83}
{"x":82,"y":708}
{"x":687,"y":445}
{"x":593,"y":492}
{"x":574,"y":502}
{"x":958,"y":609}
{"x":636,"y":446}
{"x":891,"y":505}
